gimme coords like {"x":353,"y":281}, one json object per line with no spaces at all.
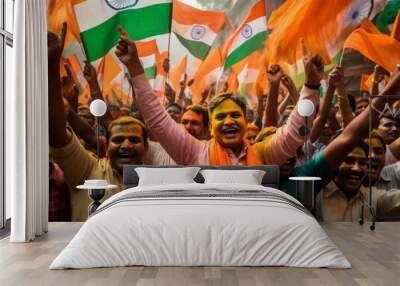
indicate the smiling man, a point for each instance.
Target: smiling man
{"x":228,"y":123}
{"x":195,"y":121}
{"x":127,"y":144}
{"x":341,"y":200}
{"x":127,"y":141}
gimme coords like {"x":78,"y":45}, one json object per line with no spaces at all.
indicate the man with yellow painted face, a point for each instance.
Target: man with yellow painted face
{"x":228,"y":123}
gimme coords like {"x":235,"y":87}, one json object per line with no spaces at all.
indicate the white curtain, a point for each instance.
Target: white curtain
{"x":27,"y":123}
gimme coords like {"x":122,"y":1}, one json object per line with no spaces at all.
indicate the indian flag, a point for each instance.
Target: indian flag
{"x":98,"y":21}
{"x":196,"y":29}
{"x":248,"y":37}
{"x":147,"y":51}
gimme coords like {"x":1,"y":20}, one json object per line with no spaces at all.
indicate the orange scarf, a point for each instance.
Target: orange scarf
{"x":219,"y":155}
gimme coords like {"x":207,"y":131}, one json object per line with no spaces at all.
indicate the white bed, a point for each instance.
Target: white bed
{"x":223,"y":225}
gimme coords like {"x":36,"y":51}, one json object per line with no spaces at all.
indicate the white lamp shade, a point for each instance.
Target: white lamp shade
{"x":305,"y":107}
{"x":98,"y":107}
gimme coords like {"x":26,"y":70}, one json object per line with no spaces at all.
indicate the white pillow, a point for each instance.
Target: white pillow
{"x":166,"y":176}
{"x":248,"y":177}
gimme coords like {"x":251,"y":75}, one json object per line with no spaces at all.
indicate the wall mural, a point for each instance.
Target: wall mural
{"x":193,"y":83}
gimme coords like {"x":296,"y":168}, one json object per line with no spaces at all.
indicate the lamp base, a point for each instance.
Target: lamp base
{"x":96,"y":195}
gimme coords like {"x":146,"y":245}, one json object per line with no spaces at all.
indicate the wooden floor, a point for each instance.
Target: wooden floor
{"x":375,"y":257}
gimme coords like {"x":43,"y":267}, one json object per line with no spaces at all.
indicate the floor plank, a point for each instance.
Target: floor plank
{"x":374,"y":255}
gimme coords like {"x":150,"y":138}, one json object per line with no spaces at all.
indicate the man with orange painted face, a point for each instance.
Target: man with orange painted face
{"x":227,"y":121}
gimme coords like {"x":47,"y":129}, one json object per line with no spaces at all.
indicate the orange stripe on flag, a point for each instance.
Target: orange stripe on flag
{"x":178,"y":73}
{"x":146,"y":48}
{"x":188,"y":15}
{"x":379,"y":48}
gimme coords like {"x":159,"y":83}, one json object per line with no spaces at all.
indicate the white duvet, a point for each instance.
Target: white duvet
{"x":205,"y":231}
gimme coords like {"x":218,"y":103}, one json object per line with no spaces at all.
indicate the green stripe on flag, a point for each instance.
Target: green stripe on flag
{"x":150,"y":72}
{"x":387,"y":16}
{"x":245,"y":49}
{"x":139,"y":23}
{"x":197,"y":49}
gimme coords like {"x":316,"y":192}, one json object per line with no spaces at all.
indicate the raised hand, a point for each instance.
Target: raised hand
{"x":68,"y":86}
{"x":190,"y":82}
{"x":274,"y":74}
{"x":393,"y":86}
{"x":288,"y":82}
{"x":55,"y":44}
{"x":169,"y":93}
{"x":127,"y":53}
{"x":379,"y":74}
{"x":314,"y":69}
{"x":89,"y":72}
{"x":336,"y":77}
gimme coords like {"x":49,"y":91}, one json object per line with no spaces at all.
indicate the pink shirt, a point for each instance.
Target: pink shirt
{"x":184,"y":149}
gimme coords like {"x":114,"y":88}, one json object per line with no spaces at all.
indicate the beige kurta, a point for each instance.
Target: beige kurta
{"x":333,"y":205}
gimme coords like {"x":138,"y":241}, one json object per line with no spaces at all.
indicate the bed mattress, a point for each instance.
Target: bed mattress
{"x":201,"y":225}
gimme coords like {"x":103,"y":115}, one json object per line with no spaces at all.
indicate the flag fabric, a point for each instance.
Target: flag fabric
{"x":108,"y":69}
{"x":366,"y":82}
{"x":161,"y":74}
{"x":178,"y":73}
{"x":248,"y":37}
{"x":233,"y":83}
{"x":98,"y":22}
{"x":379,"y":48}
{"x":77,"y":70}
{"x":147,"y":51}
{"x":311,"y":21}
{"x":388,"y":15}
{"x":209,"y":71}
{"x":60,"y":11}
{"x":196,"y":29}
{"x":395,"y":29}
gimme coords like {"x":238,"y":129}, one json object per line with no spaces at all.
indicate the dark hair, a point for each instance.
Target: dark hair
{"x":173,"y":104}
{"x":364,"y":146}
{"x":125,"y":120}
{"x":217,"y":100}
{"x":352,"y":102}
{"x":375,"y":134}
{"x":200,"y":110}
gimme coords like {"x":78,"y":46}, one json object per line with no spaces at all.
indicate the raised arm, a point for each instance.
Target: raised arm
{"x":324,"y":110}
{"x":275,"y":75}
{"x":179,"y":144}
{"x":343,"y":100}
{"x":357,"y":130}
{"x":58,"y":136}
{"x":90,"y":75}
{"x":287,"y":139}
{"x":64,"y":146}
{"x":379,"y":75}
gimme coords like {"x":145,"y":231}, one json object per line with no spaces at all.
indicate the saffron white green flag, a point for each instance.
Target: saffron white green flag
{"x":147,"y":51}
{"x":196,"y":29}
{"x":248,"y":37}
{"x":99,"y":19}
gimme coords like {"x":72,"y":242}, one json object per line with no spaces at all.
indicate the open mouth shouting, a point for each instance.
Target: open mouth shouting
{"x":230,"y":131}
{"x":126,"y":156}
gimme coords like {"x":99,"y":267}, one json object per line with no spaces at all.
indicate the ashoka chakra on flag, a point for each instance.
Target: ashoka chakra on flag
{"x":121,"y":4}
{"x":198,"y":32}
{"x":246,"y":31}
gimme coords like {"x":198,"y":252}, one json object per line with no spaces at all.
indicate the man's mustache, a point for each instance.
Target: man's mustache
{"x":228,"y":128}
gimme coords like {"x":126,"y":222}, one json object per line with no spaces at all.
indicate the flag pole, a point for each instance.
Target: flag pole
{"x":341,"y":57}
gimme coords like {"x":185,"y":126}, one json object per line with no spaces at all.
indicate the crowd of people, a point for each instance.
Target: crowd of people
{"x":222,"y":130}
